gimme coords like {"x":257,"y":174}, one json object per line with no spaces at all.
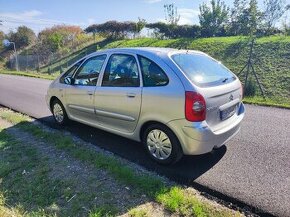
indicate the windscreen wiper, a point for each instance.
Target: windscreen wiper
{"x":225,"y":80}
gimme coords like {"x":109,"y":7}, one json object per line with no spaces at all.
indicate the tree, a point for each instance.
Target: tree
{"x":253,"y":17}
{"x":237,"y":17}
{"x":23,"y":37}
{"x":245,"y":18}
{"x":2,"y":36}
{"x":163,"y":30}
{"x":213,"y":18}
{"x":59,"y":36}
{"x":171,"y":15}
{"x":286,"y":23}
{"x":273,"y":12}
{"x":140,"y":25}
{"x":113,"y":29}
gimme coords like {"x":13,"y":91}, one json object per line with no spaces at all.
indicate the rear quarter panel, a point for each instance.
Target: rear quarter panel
{"x":164,"y":103}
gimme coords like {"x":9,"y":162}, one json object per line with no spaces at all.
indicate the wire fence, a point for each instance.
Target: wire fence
{"x":50,"y":62}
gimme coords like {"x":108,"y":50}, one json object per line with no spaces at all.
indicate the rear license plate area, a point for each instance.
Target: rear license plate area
{"x":227,"y":113}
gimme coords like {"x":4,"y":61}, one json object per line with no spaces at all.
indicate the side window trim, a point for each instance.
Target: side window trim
{"x":109,"y":55}
{"x":81,"y":61}
{"x":141,"y":71}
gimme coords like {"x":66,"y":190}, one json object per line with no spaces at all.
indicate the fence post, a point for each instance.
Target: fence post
{"x":26,"y":61}
{"x":38,"y":66}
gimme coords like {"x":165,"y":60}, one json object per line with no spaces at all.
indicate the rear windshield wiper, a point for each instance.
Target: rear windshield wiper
{"x":225,"y":80}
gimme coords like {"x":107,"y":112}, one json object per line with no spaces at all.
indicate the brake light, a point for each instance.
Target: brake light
{"x":195,"y":108}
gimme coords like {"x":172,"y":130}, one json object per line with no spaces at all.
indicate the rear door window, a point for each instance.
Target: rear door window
{"x":203,"y":70}
{"x":121,"y":71}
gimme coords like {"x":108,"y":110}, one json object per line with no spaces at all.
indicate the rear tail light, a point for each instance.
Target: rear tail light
{"x":195,"y":108}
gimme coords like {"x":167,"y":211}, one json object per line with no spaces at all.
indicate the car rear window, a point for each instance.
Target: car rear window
{"x":203,"y":70}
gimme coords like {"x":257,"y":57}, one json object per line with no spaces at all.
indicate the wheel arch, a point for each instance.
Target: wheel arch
{"x":179,"y":147}
{"x":53,"y":98}
{"x":148,"y":123}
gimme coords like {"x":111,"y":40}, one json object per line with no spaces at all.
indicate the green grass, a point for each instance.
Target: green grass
{"x":30,"y":74}
{"x":25,"y":182}
{"x":137,"y":212}
{"x":176,"y":199}
{"x":173,"y":198}
{"x":273,"y":68}
{"x":103,"y":211}
{"x":27,"y":187}
{"x":274,"y":102}
{"x":64,"y":62}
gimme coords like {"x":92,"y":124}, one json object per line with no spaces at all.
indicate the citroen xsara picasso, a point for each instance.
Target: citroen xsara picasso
{"x":175,"y":101}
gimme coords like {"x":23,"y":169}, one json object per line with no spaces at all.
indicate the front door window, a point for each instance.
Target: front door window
{"x":88,"y":73}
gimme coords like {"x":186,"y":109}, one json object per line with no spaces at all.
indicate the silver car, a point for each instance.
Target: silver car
{"x":177,"y":102}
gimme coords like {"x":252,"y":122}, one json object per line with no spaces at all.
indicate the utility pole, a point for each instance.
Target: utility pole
{"x":7,"y":43}
{"x":16,"y":58}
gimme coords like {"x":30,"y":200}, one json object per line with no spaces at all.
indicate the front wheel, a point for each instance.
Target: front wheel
{"x":161,"y":144}
{"x":59,"y":113}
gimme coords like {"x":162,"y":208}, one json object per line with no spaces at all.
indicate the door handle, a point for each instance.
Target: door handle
{"x":131,"y":95}
{"x":90,"y":93}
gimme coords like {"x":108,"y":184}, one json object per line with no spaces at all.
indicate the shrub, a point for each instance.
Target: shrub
{"x":250,"y":88}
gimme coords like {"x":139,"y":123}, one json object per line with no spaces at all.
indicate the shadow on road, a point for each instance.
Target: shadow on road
{"x":185,"y":171}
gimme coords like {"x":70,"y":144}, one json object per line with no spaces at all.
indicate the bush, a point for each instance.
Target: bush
{"x":250,"y":88}
{"x":175,"y":31}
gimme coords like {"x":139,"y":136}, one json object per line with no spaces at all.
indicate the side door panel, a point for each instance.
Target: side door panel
{"x":80,"y":102}
{"x":80,"y":96}
{"x":118,"y":99}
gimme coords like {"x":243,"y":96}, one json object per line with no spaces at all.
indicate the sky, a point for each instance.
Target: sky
{"x":40,"y":14}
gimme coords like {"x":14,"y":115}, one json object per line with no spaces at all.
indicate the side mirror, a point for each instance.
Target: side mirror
{"x":69,"y":80}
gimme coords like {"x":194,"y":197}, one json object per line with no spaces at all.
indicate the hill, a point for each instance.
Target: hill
{"x":273,"y":67}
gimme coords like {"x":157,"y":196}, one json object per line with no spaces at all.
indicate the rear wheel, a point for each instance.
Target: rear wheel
{"x":59,"y":112}
{"x":161,"y":144}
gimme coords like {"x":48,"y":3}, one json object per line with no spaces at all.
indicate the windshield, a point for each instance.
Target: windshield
{"x":203,"y":70}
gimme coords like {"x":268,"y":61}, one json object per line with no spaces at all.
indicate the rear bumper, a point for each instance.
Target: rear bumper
{"x":198,"y":138}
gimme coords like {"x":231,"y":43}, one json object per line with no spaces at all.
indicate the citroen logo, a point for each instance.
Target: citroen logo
{"x":231,"y":97}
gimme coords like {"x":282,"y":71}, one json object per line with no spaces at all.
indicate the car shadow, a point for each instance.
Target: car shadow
{"x":185,"y":171}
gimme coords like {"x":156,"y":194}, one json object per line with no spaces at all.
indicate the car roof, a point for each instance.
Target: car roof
{"x":159,"y":51}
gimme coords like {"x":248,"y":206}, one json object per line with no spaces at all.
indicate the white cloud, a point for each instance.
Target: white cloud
{"x":152,"y":1}
{"x":91,"y":21}
{"x":28,"y":18}
{"x":32,"y":13}
{"x":188,"y":16}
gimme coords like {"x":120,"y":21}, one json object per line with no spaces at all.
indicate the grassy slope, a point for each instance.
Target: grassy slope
{"x":30,"y":74}
{"x":273,"y":52}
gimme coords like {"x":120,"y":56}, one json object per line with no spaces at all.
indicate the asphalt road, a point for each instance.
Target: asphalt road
{"x":252,"y":169}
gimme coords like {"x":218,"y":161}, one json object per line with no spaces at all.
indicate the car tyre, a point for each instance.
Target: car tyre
{"x":161,"y":144}
{"x":59,"y":113}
